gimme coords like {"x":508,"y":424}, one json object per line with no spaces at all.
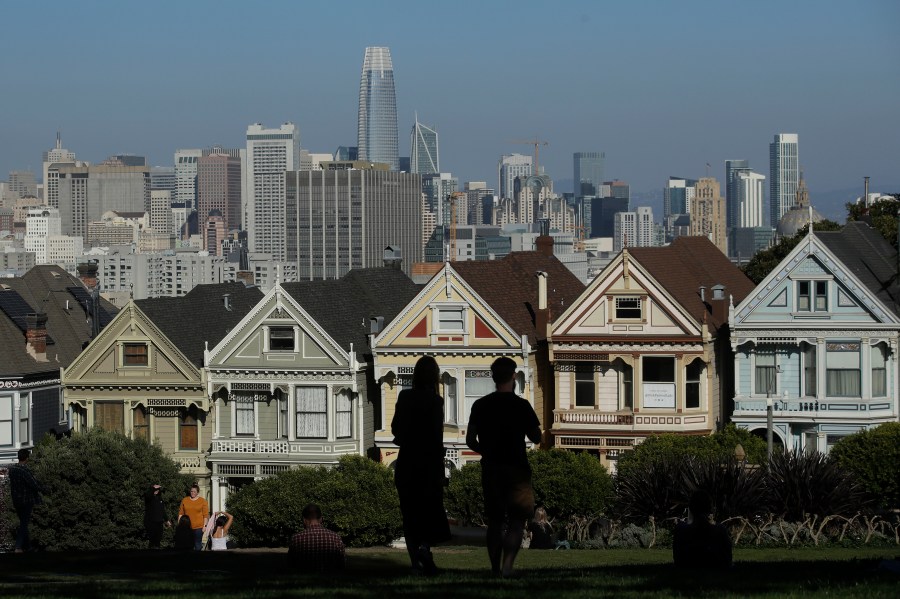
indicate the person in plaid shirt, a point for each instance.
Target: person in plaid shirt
{"x":316,"y":549}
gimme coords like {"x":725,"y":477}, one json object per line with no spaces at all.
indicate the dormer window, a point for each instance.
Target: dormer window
{"x":281,"y":339}
{"x":451,"y":320}
{"x":628,"y":308}
{"x":812,"y":296}
{"x":135,"y":354}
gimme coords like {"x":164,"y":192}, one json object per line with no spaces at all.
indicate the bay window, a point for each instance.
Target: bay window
{"x":842,"y":369}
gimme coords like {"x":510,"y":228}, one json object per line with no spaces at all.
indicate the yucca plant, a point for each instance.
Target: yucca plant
{"x":655,"y":490}
{"x":735,"y":490}
{"x":801,"y":484}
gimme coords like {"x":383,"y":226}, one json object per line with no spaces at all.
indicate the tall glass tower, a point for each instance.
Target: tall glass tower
{"x":424,"y":157}
{"x":784,"y":175}
{"x":377,"y":122}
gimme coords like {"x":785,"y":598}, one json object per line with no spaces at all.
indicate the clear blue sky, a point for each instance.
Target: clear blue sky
{"x":662,"y":87}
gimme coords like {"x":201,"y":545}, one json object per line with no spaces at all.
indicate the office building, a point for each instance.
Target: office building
{"x":214,"y":232}
{"x":270,"y":152}
{"x":88,"y":192}
{"x":22,"y":184}
{"x":57,"y":154}
{"x":186,"y":177}
{"x":345,"y":219}
{"x":437,"y":189}
{"x":748,"y":199}
{"x":732,"y":169}
{"x":162,"y":178}
{"x":424,"y":157}
{"x":125,"y":160}
{"x":708,"y":213}
{"x":346,"y":153}
{"x":219,"y":188}
{"x":41,"y":223}
{"x":784,"y":175}
{"x":510,"y":167}
{"x":377,"y":118}
{"x":634,"y":229}
{"x":588,"y":174}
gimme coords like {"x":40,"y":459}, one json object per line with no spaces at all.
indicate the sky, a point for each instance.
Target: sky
{"x":662,"y":87}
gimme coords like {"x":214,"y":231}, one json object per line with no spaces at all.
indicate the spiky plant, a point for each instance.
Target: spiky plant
{"x":801,"y":483}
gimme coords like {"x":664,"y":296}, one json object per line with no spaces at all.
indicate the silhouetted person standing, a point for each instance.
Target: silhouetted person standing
{"x":418,"y":428}
{"x":497,"y":429}
{"x":26,"y":493}
{"x":700,"y":543}
{"x":155,"y":515}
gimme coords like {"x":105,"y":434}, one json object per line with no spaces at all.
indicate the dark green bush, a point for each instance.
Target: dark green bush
{"x":874,"y":457}
{"x":570,"y":484}
{"x":800,"y":484}
{"x":464,"y":500}
{"x":95,"y":485}
{"x":357,"y":497}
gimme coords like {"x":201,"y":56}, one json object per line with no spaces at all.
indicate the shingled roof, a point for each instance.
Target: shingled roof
{"x":201,"y":316}
{"x":510,"y":287}
{"x":870,"y":257}
{"x":344,"y":306}
{"x":688,"y":263}
{"x":47,"y":289}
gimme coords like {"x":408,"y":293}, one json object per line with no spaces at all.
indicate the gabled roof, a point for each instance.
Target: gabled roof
{"x":343,"y":307}
{"x":47,"y":289}
{"x":688,"y":263}
{"x":870,"y":257}
{"x":510,"y":287}
{"x":201,"y":316}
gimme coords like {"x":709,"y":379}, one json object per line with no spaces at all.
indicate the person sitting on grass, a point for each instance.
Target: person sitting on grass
{"x":699,"y":543}
{"x":315,"y":549}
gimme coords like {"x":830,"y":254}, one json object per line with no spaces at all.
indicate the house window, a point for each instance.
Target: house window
{"x":24,"y":411}
{"x":812,"y":296}
{"x":451,"y":405}
{"x":187,"y":430}
{"x":312,"y":413}
{"x":658,"y":381}
{"x":110,"y":415}
{"x":766,"y":382}
{"x":628,"y":308}
{"x":451,"y":320}
{"x":842,"y":369}
{"x":692,"y":377}
{"x":478,"y":384}
{"x":879,"y":371}
{"x":281,"y":339}
{"x":244,"y":414}
{"x":134,"y":354}
{"x":140,"y":424}
{"x":283,"y":415}
{"x":585,"y":388}
{"x":809,"y":371}
{"x":627,"y":387}
{"x":343,"y":415}
{"x":6,"y":420}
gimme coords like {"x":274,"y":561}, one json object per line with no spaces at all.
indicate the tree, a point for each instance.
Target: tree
{"x":570,"y":484}
{"x":873,"y":455}
{"x":765,"y":261}
{"x":882,"y":216}
{"x":95,"y":484}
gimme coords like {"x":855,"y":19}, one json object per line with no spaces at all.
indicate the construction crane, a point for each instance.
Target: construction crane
{"x":537,"y":143}
{"x":452,"y":244}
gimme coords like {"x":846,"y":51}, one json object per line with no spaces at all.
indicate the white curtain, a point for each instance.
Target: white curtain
{"x":244,"y":414}
{"x":312,"y":413}
{"x":343,"y":418}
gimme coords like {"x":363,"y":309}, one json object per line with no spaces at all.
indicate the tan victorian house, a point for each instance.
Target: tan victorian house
{"x":644,"y":350}
{"x":289,"y":384}
{"x":143,"y":375}
{"x":466,"y":316}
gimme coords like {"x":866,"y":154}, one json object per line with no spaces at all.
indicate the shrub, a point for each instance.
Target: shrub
{"x":873,"y":455}
{"x":464,"y":500}
{"x":357,"y":497}
{"x":801,"y":484}
{"x":655,"y":490}
{"x":570,"y":484}
{"x":95,"y":484}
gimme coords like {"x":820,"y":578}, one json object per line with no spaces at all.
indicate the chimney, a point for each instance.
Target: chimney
{"x":87,"y":272}
{"x":542,"y":315}
{"x":36,"y":336}
{"x":393,"y":258}
{"x":544,"y":245}
{"x":703,"y":293}
{"x":376,"y":324}
{"x":719,"y":305}
{"x":226,"y":299}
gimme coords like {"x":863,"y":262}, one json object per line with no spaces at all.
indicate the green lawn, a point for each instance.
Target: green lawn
{"x":380,"y":573}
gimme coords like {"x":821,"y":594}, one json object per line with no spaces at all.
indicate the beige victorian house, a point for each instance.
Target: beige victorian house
{"x":645,"y":349}
{"x":466,"y":316}
{"x":143,"y":375}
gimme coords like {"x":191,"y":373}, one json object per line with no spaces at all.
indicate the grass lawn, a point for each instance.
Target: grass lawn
{"x":380,"y":573}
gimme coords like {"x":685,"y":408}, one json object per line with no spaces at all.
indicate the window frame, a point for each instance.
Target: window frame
{"x":441,"y":322}
{"x":128,"y":356}
{"x":8,"y":421}
{"x":298,"y":413}
{"x":881,"y":350}
{"x":812,"y":295}
{"x":767,"y":372}
{"x":278,"y":333}
{"x":100,"y":406}
{"x":184,"y":425}
{"x":833,"y":348}
{"x":469,"y":397}
{"x":140,"y":430}
{"x":585,"y":377}
{"x":809,"y":356}
{"x":694,"y":386}
{"x":620,"y":312}
{"x":450,"y":386}
{"x":244,"y":399}
{"x":344,"y":395}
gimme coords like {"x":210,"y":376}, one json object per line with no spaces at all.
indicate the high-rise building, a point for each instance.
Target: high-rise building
{"x":40,"y":224}
{"x":22,"y":184}
{"x":634,"y":229}
{"x":732,"y":169}
{"x":424,"y":156}
{"x":126,"y":160}
{"x":784,"y":175}
{"x":214,"y":232}
{"x":87,"y":192}
{"x":161,"y":214}
{"x":219,"y":188}
{"x":343,"y":219}
{"x":707,"y":212}
{"x":270,"y":152}
{"x":162,"y":178}
{"x":588,"y":174}
{"x":510,"y":167}
{"x":749,"y":199}
{"x":57,"y":154}
{"x":186,"y":177}
{"x":377,"y":120}
{"x":437,"y":189}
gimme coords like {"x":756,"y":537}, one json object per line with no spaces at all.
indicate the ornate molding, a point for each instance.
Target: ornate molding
{"x":595,"y":351}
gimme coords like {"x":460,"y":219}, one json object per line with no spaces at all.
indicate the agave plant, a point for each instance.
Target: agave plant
{"x":801,"y":484}
{"x":735,"y":490}
{"x":656,"y":491}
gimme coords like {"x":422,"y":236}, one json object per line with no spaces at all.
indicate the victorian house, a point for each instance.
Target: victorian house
{"x":143,"y":375}
{"x":46,"y":316}
{"x":644,"y":350}
{"x":469,"y":314}
{"x":816,"y":343}
{"x":291,"y":383}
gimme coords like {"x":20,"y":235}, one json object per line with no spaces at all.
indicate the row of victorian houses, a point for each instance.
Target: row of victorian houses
{"x":237,"y":385}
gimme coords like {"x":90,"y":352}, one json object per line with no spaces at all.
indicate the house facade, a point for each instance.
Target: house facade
{"x":466,"y":316}
{"x":644,"y":349}
{"x":816,"y":342}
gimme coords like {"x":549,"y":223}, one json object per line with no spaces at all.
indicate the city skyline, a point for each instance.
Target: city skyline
{"x":619,"y":97}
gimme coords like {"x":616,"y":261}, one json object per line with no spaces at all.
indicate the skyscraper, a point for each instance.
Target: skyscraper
{"x":784,"y":175}
{"x":87,"y":192}
{"x":749,"y":199}
{"x":377,"y":121}
{"x":270,"y":152}
{"x":588,"y":173}
{"x":732,"y":169}
{"x":510,"y":167}
{"x":186,"y":177}
{"x":219,"y":188}
{"x":708,"y":213}
{"x":57,"y":154}
{"x":423,"y":144}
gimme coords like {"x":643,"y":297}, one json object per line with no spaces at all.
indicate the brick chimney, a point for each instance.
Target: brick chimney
{"x":87,"y":272}
{"x":544,"y":245}
{"x":542,"y":315}
{"x":719,"y":304}
{"x":36,"y":336}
